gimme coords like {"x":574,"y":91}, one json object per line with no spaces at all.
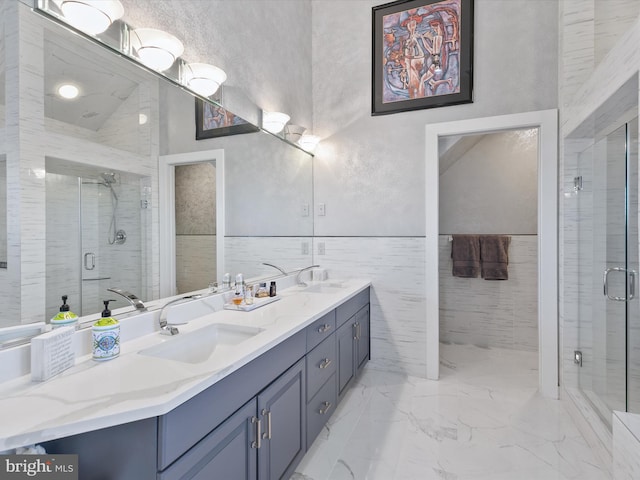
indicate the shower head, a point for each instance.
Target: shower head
{"x":109,"y":177}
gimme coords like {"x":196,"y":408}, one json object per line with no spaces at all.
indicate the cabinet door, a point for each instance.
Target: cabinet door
{"x":346,"y":356}
{"x":362,"y":337}
{"x":281,"y":408}
{"x":226,"y":453}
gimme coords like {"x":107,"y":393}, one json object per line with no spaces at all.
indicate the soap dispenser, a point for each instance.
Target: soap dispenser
{"x":106,"y":335}
{"x":65,"y":318}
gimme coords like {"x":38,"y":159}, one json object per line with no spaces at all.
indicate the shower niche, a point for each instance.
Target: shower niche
{"x":97,"y":230}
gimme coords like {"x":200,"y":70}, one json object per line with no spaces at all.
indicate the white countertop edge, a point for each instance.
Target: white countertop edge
{"x":50,"y":426}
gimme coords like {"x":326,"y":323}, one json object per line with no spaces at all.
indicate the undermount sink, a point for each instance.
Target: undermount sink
{"x":200,"y":345}
{"x":324,"y":288}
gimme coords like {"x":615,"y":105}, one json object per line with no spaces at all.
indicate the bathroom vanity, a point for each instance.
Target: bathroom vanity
{"x":248,"y":411}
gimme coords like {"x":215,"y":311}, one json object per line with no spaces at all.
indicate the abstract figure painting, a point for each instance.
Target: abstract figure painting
{"x":422,"y":55}
{"x":215,"y":121}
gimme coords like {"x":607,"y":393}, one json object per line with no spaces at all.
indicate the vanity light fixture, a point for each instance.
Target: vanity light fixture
{"x":274,"y":122}
{"x":142,"y":119}
{"x":68,"y":91}
{"x":309,"y":142}
{"x":155,"y":48}
{"x":202,"y":78}
{"x":90,"y":16}
{"x":293,"y":133}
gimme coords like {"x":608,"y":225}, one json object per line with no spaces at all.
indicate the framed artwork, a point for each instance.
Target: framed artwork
{"x":422,"y":55}
{"x":214,"y":121}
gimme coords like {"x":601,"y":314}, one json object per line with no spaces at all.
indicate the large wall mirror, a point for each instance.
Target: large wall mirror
{"x":86,"y":209}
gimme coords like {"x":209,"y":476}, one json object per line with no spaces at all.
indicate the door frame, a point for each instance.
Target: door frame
{"x":546,"y":121}
{"x":167,"y":213}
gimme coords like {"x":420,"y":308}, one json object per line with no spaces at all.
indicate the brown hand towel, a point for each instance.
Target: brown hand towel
{"x":494,"y":255}
{"x":465,"y":252}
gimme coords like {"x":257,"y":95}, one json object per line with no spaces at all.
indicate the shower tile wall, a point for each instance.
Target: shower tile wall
{"x":501,"y":314}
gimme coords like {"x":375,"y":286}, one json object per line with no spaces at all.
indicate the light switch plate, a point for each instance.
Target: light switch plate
{"x":322,"y":209}
{"x":305,"y":209}
{"x":321,"y":248}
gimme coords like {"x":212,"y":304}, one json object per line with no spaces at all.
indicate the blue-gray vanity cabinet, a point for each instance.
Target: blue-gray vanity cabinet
{"x":265,"y":439}
{"x":353,"y":339}
{"x":225,"y":453}
{"x":282,"y":413}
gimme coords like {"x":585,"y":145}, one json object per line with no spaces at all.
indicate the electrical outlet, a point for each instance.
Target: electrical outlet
{"x":322,"y":211}
{"x":305,"y":248}
{"x":321,"y":248}
{"x":305,"y":209}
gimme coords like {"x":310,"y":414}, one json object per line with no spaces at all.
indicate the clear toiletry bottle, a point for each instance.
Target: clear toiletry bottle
{"x":240,"y":284}
{"x":106,"y":335}
{"x":64,"y":318}
{"x":248,"y":295}
{"x":226,"y":282}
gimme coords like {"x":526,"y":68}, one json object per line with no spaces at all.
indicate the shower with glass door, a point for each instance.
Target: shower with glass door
{"x":99,"y":250}
{"x":606,"y":196}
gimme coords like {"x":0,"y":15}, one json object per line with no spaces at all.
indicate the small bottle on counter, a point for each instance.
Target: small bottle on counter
{"x":262,"y":291}
{"x":248,"y":295}
{"x":64,"y":318}
{"x":106,"y":335}
{"x":226,"y":282}
{"x":272,"y":289}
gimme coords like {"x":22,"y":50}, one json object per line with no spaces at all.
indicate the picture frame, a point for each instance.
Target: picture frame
{"x":422,"y":55}
{"x":214,"y":121}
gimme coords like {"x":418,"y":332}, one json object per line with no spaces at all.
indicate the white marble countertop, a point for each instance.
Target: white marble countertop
{"x":93,"y":395}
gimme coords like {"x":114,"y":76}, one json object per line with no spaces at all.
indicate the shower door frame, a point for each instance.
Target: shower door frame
{"x":546,"y":121}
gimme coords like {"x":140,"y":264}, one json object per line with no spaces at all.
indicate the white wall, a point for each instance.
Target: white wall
{"x":493,"y":187}
{"x":263,"y":46}
{"x":370,"y":170}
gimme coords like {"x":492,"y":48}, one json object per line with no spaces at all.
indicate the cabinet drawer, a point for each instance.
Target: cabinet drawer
{"x":349,"y":308}
{"x":320,"y":408}
{"x":321,"y":329}
{"x":321,"y":364}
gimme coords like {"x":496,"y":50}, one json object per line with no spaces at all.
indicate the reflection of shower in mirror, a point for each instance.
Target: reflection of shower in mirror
{"x":117,"y":237}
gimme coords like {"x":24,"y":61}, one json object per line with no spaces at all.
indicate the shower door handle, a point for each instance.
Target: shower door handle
{"x":632,"y":283}
{"x":87,"y":257}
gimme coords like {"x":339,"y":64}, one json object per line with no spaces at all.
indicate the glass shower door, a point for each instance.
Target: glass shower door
{"x":613,"y":259}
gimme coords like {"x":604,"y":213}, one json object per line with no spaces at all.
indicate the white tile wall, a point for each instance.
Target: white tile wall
{"x":502,"y":314}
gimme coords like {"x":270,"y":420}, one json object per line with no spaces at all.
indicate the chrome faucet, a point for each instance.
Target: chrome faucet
{"x":298,"y":280}
{"x":275,"y":266}
{"x":165,"y":328}
{"x":131,"y":298}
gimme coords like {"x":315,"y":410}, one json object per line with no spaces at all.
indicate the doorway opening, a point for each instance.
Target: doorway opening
{"x":545,"y":122}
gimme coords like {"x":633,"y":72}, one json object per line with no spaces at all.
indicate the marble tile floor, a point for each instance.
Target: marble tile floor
{"x":483,"y":420}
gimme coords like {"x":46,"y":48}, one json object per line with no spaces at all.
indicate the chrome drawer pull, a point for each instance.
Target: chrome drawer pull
{"x":257,"y":443}
{"x":324,"y":328}
{"x":267,"y":434}
{"x":326,"y":406}
{"x":325,"y":363}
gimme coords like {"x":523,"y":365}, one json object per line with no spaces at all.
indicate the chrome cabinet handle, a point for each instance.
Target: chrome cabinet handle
{"x":605,"y":284}
{"x":324,"y":328}
{"x":257,"y":442}
{"x":355,"y":330}
{"x":359,"y":330}
{"x":632,"y":284}
{"x":267,"y":413}
{"x":326,"y":406}
{"x":88,"y":256}
{"x":325,"y":363}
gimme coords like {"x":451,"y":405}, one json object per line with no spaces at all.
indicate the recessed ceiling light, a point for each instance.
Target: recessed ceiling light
{"x":68,"y":91}
{"x":142,"y":119}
